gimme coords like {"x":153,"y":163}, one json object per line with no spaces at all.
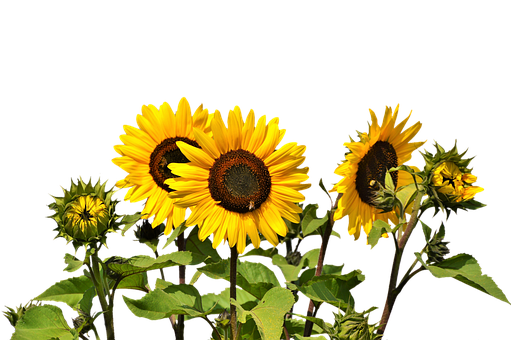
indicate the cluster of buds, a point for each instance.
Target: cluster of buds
{"x":353,"y":325}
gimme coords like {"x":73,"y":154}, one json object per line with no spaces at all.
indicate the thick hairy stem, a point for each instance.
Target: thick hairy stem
{"x":232,"y":277}
{"x":319,"y":268}
{"x":100,"y":291}
{"x":393,"y":292}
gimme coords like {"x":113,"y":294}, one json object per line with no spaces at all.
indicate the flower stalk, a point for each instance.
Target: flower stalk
{"x":232,"y":278}
{"x":394,"y":291}
{"x":100,"y":291}
{"x":319,"y":268}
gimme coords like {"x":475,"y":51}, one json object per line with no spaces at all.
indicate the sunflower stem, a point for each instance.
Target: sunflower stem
{"x":179,"y":330}
{"x":232,"y":278}
{"x":394,"y":291}
{"x":319,"y":268}
{"x":100,"y":291}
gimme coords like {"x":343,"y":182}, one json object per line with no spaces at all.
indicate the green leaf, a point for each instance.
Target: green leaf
{"x":427,"y":231}
{"x":262,"y":252}
{"x":222,"y":301}
{"x":256,"y":278}
{"x":335,"y":291}
{"x":324,"y":326}
{"x":85,"y":304}
{"x":143,"y":263}
{"x":69,"y":291}
{"x":406,"y":194}
{"x":464,"y":268}
{"x":175,"y":299}
{"x":137,"y":282}
{"x":295,"y":327}
{"x":178,"y":231}
{"x":72,"y":262}
{"x":129,"y":221}
{"x":203,"y":248}
{"x":389,"y":182}
{"x":269,"y":312}
{"x":322,"y":186}
{"x":327,"y":270}
{"x":379,"y":228}
{"x":217,"y":270}
{"x":300,"y":337}
{"x":43,"y":323}
{"x":310,"y":222}
{"x":162,"y":284}
{"x":310,"y":259}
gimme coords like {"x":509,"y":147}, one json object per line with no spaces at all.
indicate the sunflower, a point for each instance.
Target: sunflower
{"x":239,"y":182}
{"x":366,"y":164}
{"x":452,"y":182}
{"x":147,"y":151}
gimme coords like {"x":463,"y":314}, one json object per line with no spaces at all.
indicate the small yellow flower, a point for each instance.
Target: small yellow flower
{"x":451,"y":181}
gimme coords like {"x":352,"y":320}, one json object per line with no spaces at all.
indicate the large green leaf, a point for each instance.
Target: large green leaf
{"x":310,"y":259}
{"x":175,"y":299}
{"x":335,"y":291}
{"x":69,"y":291}
{"x":143,"y":263}
{"x":203,"y":248}
{"x":256,"y":278}
{"x":43,"y":323}
{"x":464,"y":268}
{"x":269,"y":312}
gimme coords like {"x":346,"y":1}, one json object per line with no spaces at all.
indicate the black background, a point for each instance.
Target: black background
{"x":72,"y":127}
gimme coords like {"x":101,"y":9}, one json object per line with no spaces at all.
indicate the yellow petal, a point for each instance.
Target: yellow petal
{"x":168,"y":120}
{"x":207,"y":143}
{"x":183,"y":118}
{"x":248,"y":130}
{"x":220,"y":133}
{"x":235,"y":122}
{"x":195,"y":155}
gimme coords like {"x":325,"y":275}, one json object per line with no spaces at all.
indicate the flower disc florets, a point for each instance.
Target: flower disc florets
{"x":85,"y":214}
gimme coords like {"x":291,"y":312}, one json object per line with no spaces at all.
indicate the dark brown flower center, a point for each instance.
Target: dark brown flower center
{"x":240,"y":181}
{"x":372,"y":169}
{"x":165,"y":153}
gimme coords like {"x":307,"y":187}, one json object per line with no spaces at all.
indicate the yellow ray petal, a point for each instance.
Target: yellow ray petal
{"x":195,"y":155}
{"x":248,"y":130}
{"x":168,"y":120}
{"x":207,"y":143}
{"x":235,"y":122}
{"x":183,"y":118}
{"x":220,"y":133}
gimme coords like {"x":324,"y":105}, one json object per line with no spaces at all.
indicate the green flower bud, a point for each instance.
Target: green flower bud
{"x":14,"y":316}
{"x":85,"y":214}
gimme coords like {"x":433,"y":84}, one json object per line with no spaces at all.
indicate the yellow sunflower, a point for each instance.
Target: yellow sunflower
{"x":366,"y":164}
{"x":239,"y":182}
{"x":148,"y":150}
{"x":451,"y":181}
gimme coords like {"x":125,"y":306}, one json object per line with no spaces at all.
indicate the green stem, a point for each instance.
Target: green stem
{"x":319,"y":268}
{"x":100,"y":291}
{"x":214,"y":328}
{"x":393,"y":292}
{"x":232,"y":278}
{"x":180,"y":325}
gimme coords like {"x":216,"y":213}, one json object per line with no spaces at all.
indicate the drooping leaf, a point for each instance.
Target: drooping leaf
{"x":43,"y":323}
{"x":427,"y":231}
{"x":379,"y":228}
{"x":129,"y":221}
{"x":335,"y":291}
{"x":203,"y":248}
{"x":69,"y":291}
{"x":142,"y":263}
{"x":72,"y":262}
{"x":464,"y":268}
{"x":178,"y":231}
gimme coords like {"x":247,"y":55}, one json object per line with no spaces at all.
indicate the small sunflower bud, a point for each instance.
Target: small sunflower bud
{"x":14,"y":316}
{"x":294,"y":258}
{"x":146,"y":232}
{"x":85,"y":214}
{"x":223,"y":319}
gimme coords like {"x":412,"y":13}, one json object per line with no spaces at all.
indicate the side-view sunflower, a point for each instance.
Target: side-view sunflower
{"x":147,"y":152}
{"x":239,"y":182}
{"x":365,"y":166}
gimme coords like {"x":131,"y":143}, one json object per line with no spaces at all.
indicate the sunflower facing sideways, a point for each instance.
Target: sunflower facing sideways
{"x":366,"y":163}
{"x":239,"y":182}
{"x":147,"y":151}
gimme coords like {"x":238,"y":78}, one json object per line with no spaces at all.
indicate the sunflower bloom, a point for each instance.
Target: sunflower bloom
{"x":239,"y":183}
{"x":148,"y":150}
{"x":451,"y":181}
{"x":379,"y":150}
